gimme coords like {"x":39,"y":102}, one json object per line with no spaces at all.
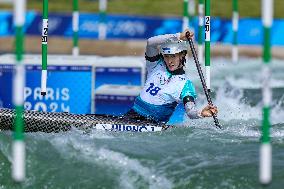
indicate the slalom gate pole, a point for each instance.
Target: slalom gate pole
{"x":191,"y":12}
{"x":265,"y":167}
{"x":102,"y":19}
{"x":235,"y":27}
{"x":185,"y":19}
{"x":18,"y":146}
{"x":75,"y":27}
{"x":188,"y":14}
{"x":44,"y":47}
{"x":216,"y":121}
{"x":207,"y":44}
{"x":200,"y":30}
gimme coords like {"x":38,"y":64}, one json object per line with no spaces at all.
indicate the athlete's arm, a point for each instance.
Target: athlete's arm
{"x":193,"y":113}
{"x":152,"y":50}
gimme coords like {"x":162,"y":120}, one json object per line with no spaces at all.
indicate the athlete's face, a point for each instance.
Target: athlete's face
{"x":173,"y":61}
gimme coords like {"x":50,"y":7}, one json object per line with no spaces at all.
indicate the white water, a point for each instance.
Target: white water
{"x":200,"y":156}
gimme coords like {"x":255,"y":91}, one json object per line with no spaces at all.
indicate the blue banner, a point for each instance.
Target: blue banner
{"x":58,"y":24}
{"x":5,"y":21}
{"x":118,"y":26}
{"x":142,"y":27}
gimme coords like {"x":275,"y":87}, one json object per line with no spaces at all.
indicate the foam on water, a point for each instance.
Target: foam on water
{"x":131,"y":170}
{"x":128,"y":165}
{"x":229,"y":82}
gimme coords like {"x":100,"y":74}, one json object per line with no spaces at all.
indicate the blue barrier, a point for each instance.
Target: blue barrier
{"x":73,"y":83}
{"x":72,"y":94}
{"x":141,"y":27}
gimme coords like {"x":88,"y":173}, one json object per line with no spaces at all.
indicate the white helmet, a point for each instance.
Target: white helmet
{"x":173,"y":47}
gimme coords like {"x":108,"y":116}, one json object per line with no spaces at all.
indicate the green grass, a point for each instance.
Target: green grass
{"x":222,"y":8}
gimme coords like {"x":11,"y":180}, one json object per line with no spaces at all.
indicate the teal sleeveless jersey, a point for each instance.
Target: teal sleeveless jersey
{"x":162,"y":92}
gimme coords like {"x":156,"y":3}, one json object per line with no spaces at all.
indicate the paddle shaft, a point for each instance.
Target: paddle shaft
{"x":201,"y":76}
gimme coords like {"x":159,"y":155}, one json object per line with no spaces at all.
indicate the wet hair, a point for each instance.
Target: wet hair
{"x":183,"y":59}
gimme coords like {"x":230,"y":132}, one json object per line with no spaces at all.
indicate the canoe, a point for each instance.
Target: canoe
{"x":36,"y":121}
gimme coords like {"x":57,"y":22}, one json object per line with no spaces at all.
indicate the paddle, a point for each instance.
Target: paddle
{"x":217,"y":124}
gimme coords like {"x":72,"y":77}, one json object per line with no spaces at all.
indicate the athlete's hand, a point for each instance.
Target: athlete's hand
{"x":183,"y":35}
{"x":209,"y":111}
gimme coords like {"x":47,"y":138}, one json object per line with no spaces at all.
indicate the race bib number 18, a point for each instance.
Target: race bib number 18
{"x":153,"y":90}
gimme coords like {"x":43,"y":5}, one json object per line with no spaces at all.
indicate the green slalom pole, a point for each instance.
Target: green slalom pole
{"x":44,"y":46}
{"x":75,"y":26}
{"x":235,"y":27}
{"x":191,"y":13}
{"x":18,"y":147}
{"x":265,"y":148}
{"x":207,"y":44}
{"x":188,"y":14}
{"x":102,"y":21}
{"x":200,"y":30}
{"x":185,"y":19}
